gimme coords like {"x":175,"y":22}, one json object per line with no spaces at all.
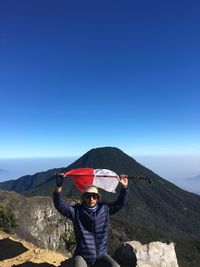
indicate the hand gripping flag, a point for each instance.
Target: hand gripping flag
{"x":102,"y":178}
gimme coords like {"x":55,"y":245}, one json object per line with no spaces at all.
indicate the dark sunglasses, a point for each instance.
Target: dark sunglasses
{"x":89,"y":196}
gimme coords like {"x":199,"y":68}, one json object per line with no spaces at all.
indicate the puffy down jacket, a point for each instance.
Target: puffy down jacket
{"x":90,"y":228}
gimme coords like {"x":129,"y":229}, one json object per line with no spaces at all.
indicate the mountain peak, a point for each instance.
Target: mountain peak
{"x":106,"y":148}
{"x":108,"y":158}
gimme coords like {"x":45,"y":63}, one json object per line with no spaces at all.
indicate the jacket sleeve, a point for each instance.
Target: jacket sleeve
{"x":64,"y":208}
{"x":120,"y":202}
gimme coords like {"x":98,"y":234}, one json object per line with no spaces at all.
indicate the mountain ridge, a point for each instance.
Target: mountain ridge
{"x":162,"y":206}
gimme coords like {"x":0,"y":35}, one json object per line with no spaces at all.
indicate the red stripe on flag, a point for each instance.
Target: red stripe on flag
{"x":82,"y":177}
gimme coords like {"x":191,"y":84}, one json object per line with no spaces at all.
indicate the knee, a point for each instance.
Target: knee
{"x":79,"y":262}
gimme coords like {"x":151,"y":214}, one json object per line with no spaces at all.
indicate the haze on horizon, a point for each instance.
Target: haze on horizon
{"x":177,"y":169}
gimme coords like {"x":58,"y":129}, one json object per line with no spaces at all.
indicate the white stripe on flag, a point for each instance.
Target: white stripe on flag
{"x":103,"y":180}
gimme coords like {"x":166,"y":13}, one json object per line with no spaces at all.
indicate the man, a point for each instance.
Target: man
{"x":90,"y":221}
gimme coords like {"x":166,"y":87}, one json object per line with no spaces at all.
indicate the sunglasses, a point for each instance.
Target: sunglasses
{"x":89,"y":196}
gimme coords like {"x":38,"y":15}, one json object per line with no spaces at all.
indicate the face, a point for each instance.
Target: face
{"x":91,"y":199}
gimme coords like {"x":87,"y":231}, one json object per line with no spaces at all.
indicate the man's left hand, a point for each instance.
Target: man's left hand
{"x":123,"y":179}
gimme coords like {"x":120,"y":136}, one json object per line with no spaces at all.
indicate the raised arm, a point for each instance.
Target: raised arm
{"x":64,"y":208}
{"x":120,"y":202}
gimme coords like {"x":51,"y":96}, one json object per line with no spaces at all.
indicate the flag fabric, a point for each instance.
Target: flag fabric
{"x":102,"y":178}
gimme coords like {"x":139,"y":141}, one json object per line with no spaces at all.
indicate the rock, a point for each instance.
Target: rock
{"x":18,"y":252}
{"x":38,"y":220}
{"x":154,"y":254}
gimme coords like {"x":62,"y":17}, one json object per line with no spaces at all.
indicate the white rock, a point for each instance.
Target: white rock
{"x":155,"y":254}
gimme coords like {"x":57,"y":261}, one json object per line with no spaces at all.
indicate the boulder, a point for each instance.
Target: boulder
{"x":154,"y":254}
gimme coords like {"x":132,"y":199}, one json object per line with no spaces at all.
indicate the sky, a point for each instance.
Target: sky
{"x":75,"y":75}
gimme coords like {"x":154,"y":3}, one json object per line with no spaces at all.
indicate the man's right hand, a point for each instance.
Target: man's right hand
{"x":59,"y":179}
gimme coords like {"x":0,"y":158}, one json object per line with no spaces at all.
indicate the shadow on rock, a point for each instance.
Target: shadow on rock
{"x":125,"y":255}
{"x":67,"y":263}
{"x":30,"y":264}
{"x":10,"y":249}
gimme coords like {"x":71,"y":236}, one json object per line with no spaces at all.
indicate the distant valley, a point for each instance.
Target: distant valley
{"x":191,"y":184}
{"x":14,"y":168}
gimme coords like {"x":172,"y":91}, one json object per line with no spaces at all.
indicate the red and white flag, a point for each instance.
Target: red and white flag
{"x":102,"y":178}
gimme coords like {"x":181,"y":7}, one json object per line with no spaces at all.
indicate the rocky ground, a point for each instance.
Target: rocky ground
{"x":16,"y":252}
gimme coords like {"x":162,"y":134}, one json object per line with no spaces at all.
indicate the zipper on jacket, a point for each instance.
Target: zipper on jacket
{"x":93,"y":216}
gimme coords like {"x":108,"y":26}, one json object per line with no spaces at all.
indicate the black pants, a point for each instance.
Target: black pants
{"x":104,"y":261}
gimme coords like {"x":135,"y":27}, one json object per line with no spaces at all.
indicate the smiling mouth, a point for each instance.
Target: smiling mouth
{"x":91,"y":202}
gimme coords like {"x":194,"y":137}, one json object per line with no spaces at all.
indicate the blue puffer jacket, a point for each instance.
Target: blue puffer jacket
{"x":90,"y":228}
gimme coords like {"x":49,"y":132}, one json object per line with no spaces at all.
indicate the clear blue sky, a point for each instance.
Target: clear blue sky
{"x":82,"y":74}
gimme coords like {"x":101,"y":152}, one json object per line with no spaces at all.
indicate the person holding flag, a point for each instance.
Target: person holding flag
{"x":90,"y":220}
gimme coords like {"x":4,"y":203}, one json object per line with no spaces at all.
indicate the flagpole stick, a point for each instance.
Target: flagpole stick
{"x":112,"y":176}
{"x":141,"y":178}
